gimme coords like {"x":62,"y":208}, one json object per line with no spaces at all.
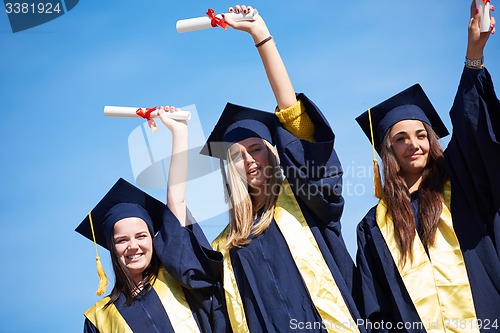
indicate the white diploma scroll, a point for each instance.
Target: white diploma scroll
{"x":130,"y":112}
{"x":199,"y":23}
{"x":485,"y":14}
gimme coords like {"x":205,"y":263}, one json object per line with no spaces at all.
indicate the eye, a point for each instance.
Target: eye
{"x":120,"y":241}
{"x":236,"y":157}
{"x":422,"y":136}
{"x":255,"y":150}
{"x":142,"y":236}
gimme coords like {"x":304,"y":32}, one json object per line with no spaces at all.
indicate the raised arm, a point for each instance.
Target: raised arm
{"x":473,"y":153}
{"x":271,"y":59}
{"x":476,"y":40}
{"x":177,"y":174}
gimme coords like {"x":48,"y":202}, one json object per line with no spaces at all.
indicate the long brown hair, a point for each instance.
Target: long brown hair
{"x":124,"y":282}
{"x":242,"y":212}
{"x":397,"y":195}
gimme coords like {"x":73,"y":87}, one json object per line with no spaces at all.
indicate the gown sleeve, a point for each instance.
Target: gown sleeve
{"x":312,"y":166}
{"x":219,"y":315}
{"x":369,"y":304}
{"x":474,"y":150}
{"x":186,"y":253}
{"x":473,"y":155}
{"x":88,"y":327}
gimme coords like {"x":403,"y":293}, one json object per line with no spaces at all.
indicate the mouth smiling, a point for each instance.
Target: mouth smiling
{"x":133,"y":257}
{"x":253,"y":171}
{"x":414,"y":156}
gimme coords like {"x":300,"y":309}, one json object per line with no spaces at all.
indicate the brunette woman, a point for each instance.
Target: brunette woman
{"x":428,"y":253}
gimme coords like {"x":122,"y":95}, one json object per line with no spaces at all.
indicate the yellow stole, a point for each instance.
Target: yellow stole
{"x":438,"y":287}
{"x":107,"y":319}
{"x":172,"y":297}
{"x":234,"y":303}
{"x":317,"y":277}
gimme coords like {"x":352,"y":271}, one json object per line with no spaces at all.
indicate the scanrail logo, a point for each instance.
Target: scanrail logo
{"x":26,"y":14}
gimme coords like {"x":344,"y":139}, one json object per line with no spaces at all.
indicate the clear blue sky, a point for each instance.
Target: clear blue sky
{"x":60,"y":154}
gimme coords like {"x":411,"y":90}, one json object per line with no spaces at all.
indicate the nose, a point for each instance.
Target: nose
{"x":248,"y":158}
{"x":132,"y":245}
{"x":413,"y":143}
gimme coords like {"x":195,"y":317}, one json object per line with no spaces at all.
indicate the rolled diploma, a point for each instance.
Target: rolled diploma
{"x":199,"y":23}
{"x":130,"y":112}
{"x":485,"y":15}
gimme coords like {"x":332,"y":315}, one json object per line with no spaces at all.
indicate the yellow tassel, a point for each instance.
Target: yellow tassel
{"x":103,"y":280}
{"x":377,"y":181}
{"x":378,"y":190}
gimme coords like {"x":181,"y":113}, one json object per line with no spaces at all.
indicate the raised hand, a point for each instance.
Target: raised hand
{"x":271,"y":59}
{"x":477,"y":39}
{"x":256,"y":28}
{"x":172,"y":124}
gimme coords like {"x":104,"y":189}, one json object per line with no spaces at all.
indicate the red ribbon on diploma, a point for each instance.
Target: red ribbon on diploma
{"x":216,"y":21}
{"x":146,"y":114}
{"x":486,"y":1}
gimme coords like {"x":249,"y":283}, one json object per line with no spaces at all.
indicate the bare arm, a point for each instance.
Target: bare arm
{"x":177,"y":174}
{"x":477,"y":39}
{"x":271,"y":59}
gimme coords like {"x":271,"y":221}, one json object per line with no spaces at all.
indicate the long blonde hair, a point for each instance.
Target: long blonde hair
{"x":242,"y":212}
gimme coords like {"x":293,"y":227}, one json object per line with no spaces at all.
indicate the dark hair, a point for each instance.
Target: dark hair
{"x":430,"y":196}
{"x":123,"y":279}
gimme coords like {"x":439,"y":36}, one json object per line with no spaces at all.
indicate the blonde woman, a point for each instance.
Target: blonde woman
{"x":286,"y":267}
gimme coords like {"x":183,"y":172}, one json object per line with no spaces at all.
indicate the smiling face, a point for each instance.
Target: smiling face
{"x":134,"y":245}
{"x":410,"y":144}
{"x":251,"y":160}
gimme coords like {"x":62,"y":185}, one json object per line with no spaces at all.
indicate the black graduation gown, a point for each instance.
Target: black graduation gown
{"x":473,"y":164}
{"x":189,"y":258}
{"x":274,"y":296}
{"x":145,"y":314}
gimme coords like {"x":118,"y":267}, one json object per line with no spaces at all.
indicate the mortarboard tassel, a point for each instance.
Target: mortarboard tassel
{"x":377,"y":180}
{"x":103,"y":280}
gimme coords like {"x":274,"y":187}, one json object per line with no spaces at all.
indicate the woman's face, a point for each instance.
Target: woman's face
{"x":410,"y":144}
{"x":134,"y":245}
{"x":251,"y":159}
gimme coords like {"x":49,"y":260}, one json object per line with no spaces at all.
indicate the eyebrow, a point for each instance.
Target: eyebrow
{"x":247,"y":148}
{"x":255,"y":144}
{"x":420,"y":130}
{"x":234,"y":151}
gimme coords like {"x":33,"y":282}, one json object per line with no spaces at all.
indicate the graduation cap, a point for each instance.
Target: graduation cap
{"x":410,"y":104}
{"x":237,"y":123}
{"x":123,"y":200}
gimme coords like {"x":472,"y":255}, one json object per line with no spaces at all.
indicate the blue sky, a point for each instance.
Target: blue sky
{"x":60,"y":155}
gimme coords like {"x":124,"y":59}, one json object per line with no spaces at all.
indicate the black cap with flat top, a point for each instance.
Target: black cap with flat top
{"x":237,"y":123}
{"x":123,"y":200}
{"x":410,"y":104}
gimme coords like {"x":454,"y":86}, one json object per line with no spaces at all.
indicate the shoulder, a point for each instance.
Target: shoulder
{"x":367,"y":229}
{"x":369,"y":221}
{"x":100,"y":303}
{"x":97,"y":307}
{"x":219,"y":243}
